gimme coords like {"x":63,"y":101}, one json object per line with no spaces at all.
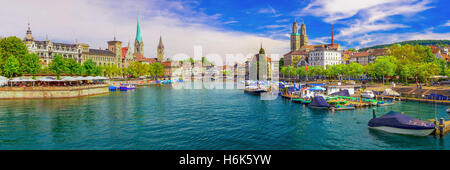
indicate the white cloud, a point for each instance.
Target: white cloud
{"x":269,"y":10}
{"x":364,"y":17}
{"x":94,"y":22}
{"x":447,"y":24}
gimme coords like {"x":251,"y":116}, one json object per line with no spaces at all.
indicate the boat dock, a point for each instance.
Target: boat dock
{"x":445,"y":102}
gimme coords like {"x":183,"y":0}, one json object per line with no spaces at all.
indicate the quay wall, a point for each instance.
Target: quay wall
{"x":51,"y":92}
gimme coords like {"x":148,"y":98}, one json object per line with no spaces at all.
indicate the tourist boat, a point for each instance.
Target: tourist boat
{"x":112,"y":88}
{"x":398,"y":123}
{"x":126,"y":87}
{"x":318,"y":102}
{"x":254,"y":90}
{"x":368,"y":94}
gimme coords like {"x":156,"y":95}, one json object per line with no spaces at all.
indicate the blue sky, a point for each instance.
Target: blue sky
{"x":222,"y":27}
{"x":405,"y":19}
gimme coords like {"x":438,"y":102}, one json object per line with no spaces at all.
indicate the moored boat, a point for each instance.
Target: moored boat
{"x":125,"y":87}
{"x":318,"y":102}
{"x":112,"y":88}
{"x":398,"y":123}
{"x":368,"y":94}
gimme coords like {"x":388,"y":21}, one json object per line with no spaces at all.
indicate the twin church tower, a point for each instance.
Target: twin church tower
{"x":298,"y":41}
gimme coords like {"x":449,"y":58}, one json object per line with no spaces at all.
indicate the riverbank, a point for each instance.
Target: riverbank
{"x":52,"y":92}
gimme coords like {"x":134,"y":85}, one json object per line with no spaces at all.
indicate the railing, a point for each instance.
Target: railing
{"x":53,"y":88}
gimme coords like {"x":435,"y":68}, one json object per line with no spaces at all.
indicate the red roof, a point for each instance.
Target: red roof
{"x":141,"y":58}
{"x":297,"y":53}
{"x":361,"y":54}
{"x":166,"y":63}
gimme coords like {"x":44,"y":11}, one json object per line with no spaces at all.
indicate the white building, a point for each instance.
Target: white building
{"x":324,"y":57}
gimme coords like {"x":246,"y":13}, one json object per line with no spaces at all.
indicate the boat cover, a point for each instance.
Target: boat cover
{"x":341,"y":93}
{"x":390,"y":92}
{"x":319,"y":101}
{"x":398,"y":120}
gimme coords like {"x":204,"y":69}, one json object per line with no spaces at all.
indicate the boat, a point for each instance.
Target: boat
{"x":348,"y":107}
{"x":254,"y":90}
{"x":398,"y":123}
{"x":318,"y":102}
{"x":368,"y":94}
{"x":112,"y":88}
{"x":381,"y":103}
{"x":448,"y":110}
{"x":125,"y":87}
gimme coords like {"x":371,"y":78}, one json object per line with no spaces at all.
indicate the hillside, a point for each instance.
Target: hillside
{"x":412,"y":42}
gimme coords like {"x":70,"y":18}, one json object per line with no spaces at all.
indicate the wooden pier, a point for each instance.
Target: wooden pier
{"x":445,"y":102}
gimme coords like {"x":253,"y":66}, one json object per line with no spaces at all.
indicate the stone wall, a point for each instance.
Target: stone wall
{"x":51,"y":92}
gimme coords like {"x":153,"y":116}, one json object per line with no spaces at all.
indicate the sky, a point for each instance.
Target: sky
{"x":226,"y":26}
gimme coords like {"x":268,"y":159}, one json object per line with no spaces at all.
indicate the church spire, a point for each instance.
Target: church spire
{"x":332,"y":35}
{"x":160,"y":54}
{"x":295,"y":27}
{"x":138,"y":44}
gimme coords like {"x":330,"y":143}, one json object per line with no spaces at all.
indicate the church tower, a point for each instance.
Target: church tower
{"x":29,"y":37}
{"x":295,"y":37}
{"x":160,"y":55}
{"x":138,"y":44}
{"x":303,"y":36}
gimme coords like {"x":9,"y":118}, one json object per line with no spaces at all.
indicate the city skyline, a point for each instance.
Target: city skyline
{"x":184,"y":24}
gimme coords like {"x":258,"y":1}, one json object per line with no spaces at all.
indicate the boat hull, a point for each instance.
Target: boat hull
{"x":315,"y":107}
{"x":254,"y":92}
{"x":414,"y":132}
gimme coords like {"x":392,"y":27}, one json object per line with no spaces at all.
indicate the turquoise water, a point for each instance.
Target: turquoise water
{"x":165,"y":118}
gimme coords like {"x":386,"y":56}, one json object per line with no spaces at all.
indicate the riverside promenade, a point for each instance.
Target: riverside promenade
{"x":52,"y":92}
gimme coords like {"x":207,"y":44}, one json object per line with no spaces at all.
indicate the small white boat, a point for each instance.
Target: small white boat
{"x":368,"y":94}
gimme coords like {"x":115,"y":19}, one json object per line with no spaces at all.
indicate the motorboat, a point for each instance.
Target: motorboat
{"x":368,"y":94}
{"x":255,"y":90}
{"x":112,"y":88}
{"x":399,"y":123}
{"x":125,"y":87}
{"x":318,"y":102}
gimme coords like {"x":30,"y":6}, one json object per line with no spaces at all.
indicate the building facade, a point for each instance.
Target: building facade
{"x":300,"y":49}
{"x":324,"y":57}
{"x":47,"y":49}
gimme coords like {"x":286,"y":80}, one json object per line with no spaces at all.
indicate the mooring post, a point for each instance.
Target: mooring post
{"x":441,"y":126}
{"x":374,"y":115}
{"x":436,"y":129}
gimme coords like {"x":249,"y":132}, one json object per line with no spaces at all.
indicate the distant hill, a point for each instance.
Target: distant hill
{"x":411,"y":42}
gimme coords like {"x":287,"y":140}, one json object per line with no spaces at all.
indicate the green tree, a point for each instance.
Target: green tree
{"x":355,"y":69}
{"x":72,"y":67}
{"x":156,"y":69}
{"x":385,"y":66}
{"x":57,"y":65}
{"x":11,"y":46}
{"x":90,"y":69}
{"x":12,"y":67}
{"x":30,"y":64}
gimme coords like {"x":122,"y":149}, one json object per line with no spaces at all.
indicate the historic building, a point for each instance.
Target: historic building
{"x":324,"y":57}
{"x":47,"y":49}
{"x":257,"y":64}
{"x":300,"y":49}
{"x":368,"y":56}
{"x":160,"y":50}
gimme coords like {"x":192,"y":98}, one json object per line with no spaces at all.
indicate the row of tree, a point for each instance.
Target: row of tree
{"x":15,"y":60}
{"x":405,"y":62}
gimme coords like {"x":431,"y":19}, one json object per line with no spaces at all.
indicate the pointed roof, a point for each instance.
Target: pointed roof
{"x":138,"y":31}
{"x":160,"y":45}
{"x":261,"y":50}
